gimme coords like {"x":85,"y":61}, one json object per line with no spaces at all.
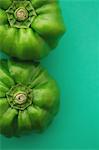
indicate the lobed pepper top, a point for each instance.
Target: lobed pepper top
{"x":29,"y":98}
{"x":29,"y":29}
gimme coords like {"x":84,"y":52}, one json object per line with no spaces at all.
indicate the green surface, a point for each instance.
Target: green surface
{"x":75,"y":65}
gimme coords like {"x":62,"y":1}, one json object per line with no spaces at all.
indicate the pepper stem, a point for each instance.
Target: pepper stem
{"x":21,"y":14}
{"x":20,"y":98}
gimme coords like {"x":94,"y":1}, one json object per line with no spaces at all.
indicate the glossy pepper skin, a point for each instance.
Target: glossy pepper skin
{"x":29,"y":98}
{"x":30,"y":29}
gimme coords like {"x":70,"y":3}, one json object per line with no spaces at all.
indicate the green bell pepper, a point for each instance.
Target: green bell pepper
{"x":29,"y":98}
{"x":30,"y":29}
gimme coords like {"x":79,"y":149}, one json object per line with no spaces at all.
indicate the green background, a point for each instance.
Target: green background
{"x":75,"y":65}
